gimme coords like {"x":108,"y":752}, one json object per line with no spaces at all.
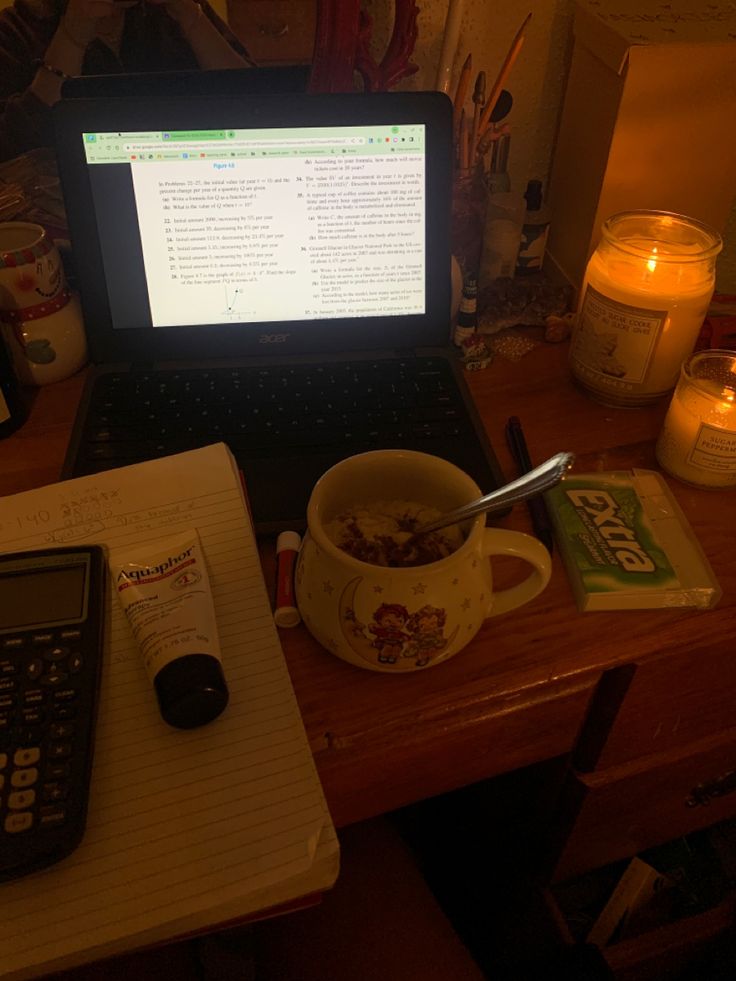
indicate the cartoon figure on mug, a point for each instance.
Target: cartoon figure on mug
{"x":426,"y":628}
{"x":396,"y":635}
{"x":388,"y":629}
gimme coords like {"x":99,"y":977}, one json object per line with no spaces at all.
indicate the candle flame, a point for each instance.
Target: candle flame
{"x":652,"y":261}
{"x":728,"y":396}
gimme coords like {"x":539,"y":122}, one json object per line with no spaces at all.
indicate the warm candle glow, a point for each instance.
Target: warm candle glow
{"x":698,"y":439}
{"x":646,"y":293}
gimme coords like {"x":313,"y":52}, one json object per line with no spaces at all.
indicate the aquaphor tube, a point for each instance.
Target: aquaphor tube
{"x":165,"y":592}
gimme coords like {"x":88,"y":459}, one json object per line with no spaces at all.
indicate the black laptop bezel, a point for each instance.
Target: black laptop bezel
{"x":269,"y":79}
{"x":76,"y":116}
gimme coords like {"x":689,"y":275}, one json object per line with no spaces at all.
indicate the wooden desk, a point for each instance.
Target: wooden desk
{"x":521,"y":691}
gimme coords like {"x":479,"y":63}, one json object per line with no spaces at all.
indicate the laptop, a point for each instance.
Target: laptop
{"x":268,"y":79}
{"x":271,"y":271}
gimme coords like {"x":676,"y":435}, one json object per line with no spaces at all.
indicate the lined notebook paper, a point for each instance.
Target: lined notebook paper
{"x":186,"y":829}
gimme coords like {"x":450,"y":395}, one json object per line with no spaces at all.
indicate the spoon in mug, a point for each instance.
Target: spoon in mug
{"x":538,"y":480}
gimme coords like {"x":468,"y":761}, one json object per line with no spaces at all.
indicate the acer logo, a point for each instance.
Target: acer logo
{"x":273,"y":338}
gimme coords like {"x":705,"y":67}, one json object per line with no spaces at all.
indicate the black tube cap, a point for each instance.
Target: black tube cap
{"x":191,"y":691}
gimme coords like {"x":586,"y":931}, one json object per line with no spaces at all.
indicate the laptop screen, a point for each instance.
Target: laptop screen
{"x":261,"y":225}
{"x":220,"y":226}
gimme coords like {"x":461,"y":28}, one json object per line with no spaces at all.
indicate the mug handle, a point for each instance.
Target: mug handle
{"x":500,"y":541}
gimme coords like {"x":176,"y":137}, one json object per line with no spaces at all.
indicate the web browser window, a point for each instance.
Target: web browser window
{"x":262,"y":225}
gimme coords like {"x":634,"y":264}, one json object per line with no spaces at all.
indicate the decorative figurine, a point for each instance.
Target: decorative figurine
{"x":475,"y":353}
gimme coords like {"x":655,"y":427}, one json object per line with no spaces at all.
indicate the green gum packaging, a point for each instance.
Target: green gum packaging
{"x":627,"y":545}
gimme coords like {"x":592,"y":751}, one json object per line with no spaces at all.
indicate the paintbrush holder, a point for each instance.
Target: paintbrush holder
{"x":469,"y":204}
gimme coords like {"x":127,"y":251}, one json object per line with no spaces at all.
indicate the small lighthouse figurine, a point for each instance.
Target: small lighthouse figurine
{"x":467,"y":315}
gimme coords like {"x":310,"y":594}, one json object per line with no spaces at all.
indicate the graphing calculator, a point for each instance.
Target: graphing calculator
{"x":51,"y":642}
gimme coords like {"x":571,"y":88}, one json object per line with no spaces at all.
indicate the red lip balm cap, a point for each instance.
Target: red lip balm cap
{"x":286,"y":613}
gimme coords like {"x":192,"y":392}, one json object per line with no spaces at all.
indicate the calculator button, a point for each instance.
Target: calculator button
{"x":5,"y":719}
{"x":32,"y":716}
{"x":75,"y":663}
{"x":2,"y":780}
{"x":59,"y":751}
{"x":65,"y":694}
{"x":54,"y":792}
{"x":7,"y":701}
{"x":61,"y":730}
{"x":56,"y":653}
{"x":21,"y":800}
{"x":64,"y":712}
{"x":34,"y":669}
{"x":53,"y":678}
{"x":24,"y":778}
{"x":7,"y":684}
{"x":13,"y":643}
{"x":7,"y":667}
{"x":39,"y":639}
{"x":27,"y":757}
{"x":3,"y":760}
{"x":18,"y":822}
{"x":28,"y":737}
{"x":52,"y":814}
{"x":57,"y":771}
{"x":71,"y":633}
{"x":34,"y":696}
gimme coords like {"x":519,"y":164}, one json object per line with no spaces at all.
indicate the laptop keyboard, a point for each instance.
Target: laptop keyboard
{"x":285,"y":424}
{"x":276,"y":410}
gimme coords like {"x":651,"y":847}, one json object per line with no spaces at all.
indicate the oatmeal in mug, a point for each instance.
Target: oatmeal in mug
{"x":384,"y":533}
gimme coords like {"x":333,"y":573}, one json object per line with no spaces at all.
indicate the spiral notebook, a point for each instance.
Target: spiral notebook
{"x":187,"y":830}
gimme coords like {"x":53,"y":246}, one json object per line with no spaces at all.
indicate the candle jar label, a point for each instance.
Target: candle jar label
{"x":614,"y":342}
{"x":714,"y":449}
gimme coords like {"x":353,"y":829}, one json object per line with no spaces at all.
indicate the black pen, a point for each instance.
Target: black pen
{"x":537,"y":507}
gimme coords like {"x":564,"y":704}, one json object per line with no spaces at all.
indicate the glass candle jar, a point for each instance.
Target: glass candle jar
{"x":698,"y":439}
{"x":644,"y":299}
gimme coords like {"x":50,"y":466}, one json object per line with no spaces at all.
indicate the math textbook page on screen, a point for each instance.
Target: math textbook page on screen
{"x":187,"y":829}
{"x":277,"y":239}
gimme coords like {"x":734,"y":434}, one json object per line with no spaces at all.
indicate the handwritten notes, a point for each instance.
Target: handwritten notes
{"x":186,"y":830}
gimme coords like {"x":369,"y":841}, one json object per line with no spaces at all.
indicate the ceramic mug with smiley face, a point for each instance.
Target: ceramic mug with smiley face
{"x":408,"y":617}
{"x":41,"y":317}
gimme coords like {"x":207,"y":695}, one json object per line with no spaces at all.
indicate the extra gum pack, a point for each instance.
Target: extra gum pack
{"x":627,"y":545}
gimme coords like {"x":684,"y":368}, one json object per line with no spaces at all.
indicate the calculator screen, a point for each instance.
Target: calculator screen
{"x":41,"y":597}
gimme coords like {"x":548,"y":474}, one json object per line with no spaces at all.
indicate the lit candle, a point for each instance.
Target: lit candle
{"x":698,"y":439}
{"x":644,"y":298}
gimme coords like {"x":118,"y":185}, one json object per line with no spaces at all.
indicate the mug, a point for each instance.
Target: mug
{"x":42,"y":318}
{"x":405,"y":619}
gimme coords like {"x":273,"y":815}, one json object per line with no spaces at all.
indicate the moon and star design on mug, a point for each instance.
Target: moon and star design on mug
{"x":394,"y":636}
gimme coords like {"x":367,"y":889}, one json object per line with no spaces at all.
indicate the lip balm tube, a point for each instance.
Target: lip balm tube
{"x":165,"y":592}
{"x":286,"y":613}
